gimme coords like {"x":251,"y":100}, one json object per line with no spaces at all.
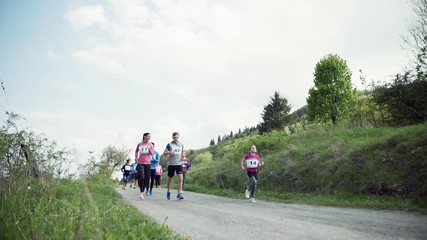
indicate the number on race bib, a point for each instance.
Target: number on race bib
{"x":143,"y":150}
{"x":252,"y":163}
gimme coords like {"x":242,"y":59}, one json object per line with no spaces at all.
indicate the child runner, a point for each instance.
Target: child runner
{"x":253,"y":162}
{"x":126,"y":173}
{"x":154,"y":161}
{"x":158,"y":174}
{"x":133,"y":174}
{"x":186,"y":164}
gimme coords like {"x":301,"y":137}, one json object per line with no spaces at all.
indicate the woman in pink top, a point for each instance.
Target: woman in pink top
{"x":143,"y":153}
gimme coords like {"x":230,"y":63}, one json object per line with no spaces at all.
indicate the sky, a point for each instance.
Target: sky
{"x":89,"y":74}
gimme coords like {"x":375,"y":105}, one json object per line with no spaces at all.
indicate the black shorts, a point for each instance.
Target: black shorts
{"x":253,"y":174}
{"x":174,"y":168}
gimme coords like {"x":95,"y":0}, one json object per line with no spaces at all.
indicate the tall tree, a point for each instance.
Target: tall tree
{"x":112,"y":158}
{"x":405,"y":99}
{"x":417,"y":39}
{"x":276,"y":114}
{"x":332,"y":96}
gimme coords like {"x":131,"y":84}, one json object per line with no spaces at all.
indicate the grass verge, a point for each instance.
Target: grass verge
{"x":72,"y":210}
{"x":338,"y":200}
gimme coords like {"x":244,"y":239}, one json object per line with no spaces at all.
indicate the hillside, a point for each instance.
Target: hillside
{"x":326,"y":160}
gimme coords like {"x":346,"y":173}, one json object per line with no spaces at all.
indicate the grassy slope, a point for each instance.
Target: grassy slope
{"x":72,"y":210}
{"x":365,"y":167}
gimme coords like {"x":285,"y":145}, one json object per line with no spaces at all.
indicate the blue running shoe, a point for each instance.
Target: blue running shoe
{"x":168,"y":195}
{"x":151,"y":192}
{"x":180,"y":196}
{"x":147,"y":193}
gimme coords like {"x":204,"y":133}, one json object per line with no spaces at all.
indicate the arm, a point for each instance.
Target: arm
{"x":167,"y":150}
{"x":158,"y":157}
{"x":136,"y":151}
{"x":241,"y":163}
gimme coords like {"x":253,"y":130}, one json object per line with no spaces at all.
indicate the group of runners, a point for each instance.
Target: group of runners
{"x":147,"y":167}
{"x":147,"y":170}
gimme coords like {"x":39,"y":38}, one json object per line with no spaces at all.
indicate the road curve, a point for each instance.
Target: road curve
{"x":202,"y":216}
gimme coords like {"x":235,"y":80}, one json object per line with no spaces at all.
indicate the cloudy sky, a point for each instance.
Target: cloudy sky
{"x":93,"y":73}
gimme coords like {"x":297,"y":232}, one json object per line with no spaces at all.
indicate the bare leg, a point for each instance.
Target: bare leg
{"x":179,"y":183}
{"x":169,"y":183}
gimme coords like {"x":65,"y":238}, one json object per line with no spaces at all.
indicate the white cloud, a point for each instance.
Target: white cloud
{"x":247,"y":115}
{"x":164,"y":127}
{"x":100,"y":57}
{"x":190,"y":93}
{"x":53,"y":56}
{"x":130,"y":12}
{"x":87,"y":16}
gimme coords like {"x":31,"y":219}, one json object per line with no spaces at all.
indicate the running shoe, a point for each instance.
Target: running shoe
{"x":151,"y":192}
{"x":168,"y":195}
{"x":141,"y":196}
{"x":147,"y":193}
{"x":252,"y":200}
{"x":247,"y":193}
{"x":180,"y":196}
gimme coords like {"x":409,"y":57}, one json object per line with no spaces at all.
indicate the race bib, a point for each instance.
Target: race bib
{"x":144,"y":150}
{"x":184,"y":164}
{"x":177,"y":150}
{"x":252,"y":163}
{"x":127,"y":167}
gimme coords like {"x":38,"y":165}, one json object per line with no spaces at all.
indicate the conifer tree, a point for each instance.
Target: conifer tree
{"x":276,"y":114}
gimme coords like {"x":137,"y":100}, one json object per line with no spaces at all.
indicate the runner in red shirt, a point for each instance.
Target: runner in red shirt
{"x":253,"y":162}
{"x":185,"y":166}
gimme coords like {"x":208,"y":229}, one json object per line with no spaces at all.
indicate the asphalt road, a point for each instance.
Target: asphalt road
{"x":202,"y":216}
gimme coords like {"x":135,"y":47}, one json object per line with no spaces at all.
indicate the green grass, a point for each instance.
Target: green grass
{"x":381,"y":168}
{"x":72,"y":210}
{"x":339,"y":200}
